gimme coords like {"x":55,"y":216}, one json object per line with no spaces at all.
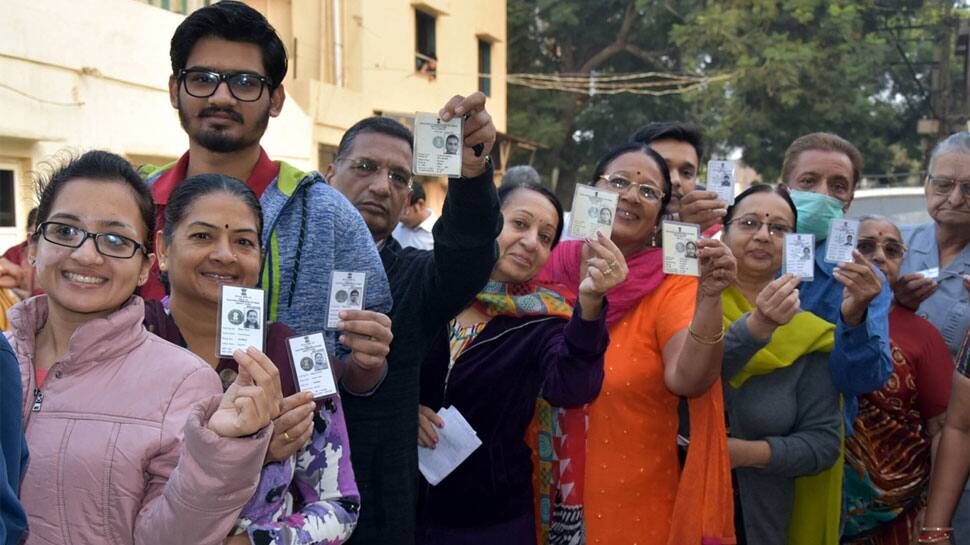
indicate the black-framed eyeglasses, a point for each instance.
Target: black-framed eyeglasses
{"x":364,"y":168}
{"x":753,"y":225}
{"x":107,"y":244}
{"x":202,"y":83}
{"x":944,"y":186}
{"x":619,"y":183}
{"x":892,"y":249}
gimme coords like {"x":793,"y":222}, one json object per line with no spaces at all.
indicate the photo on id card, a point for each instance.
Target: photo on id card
{"x":843,"y":237}
{"x":799,"y":255}
{"x":240,"y":319}
{"x":720,"y":179}
{"x":594,"y":210}
{"x":346,"y":293}
{"x":680,"y":247}
{"x":311,"y":365}
{"x":437,"y":145}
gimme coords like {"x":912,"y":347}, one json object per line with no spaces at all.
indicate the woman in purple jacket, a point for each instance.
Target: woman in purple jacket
{"x":515,"y":341}
{"x":307,"y":492}
{"x":130,"y":442}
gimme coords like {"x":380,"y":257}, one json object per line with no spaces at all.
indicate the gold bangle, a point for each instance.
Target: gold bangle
{"x":717,"y":338}
{"x":928,"y":529}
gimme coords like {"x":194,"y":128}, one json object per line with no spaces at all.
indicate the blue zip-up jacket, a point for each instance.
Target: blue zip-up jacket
{"x":860,"y":362}
{"x":310,"y":230}
{"x":13,"y":447}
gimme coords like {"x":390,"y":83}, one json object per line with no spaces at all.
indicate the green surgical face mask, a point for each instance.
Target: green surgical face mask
{"x":815,"y":212}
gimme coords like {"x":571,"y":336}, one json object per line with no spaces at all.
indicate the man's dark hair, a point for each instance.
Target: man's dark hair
{"x":101,"y":166}
{"x":235,"y":22}
{"x":374,"y":124}
{"x":417,"y":193}
{"x":32,"y":217}
{"x":671,"y":130}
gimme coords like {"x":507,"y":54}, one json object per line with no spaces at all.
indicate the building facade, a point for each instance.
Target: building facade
{"x":93,"y":75}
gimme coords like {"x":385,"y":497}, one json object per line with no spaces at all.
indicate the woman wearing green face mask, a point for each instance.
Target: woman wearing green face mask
{"x":821,"y":171}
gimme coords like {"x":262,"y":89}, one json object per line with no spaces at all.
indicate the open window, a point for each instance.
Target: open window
{"x":425,"y":55}
{"x":485,"y":66}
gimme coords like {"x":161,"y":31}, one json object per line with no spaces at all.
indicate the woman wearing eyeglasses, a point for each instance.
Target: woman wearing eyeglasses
{"x":888,"y":456}
{"x":620,"y":480}
{"x":935,"y":272}
{"x":129,"y":439}
{"x":783,"y":408}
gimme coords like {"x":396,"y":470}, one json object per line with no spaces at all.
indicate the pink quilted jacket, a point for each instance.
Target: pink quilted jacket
{"x":119,"y":451}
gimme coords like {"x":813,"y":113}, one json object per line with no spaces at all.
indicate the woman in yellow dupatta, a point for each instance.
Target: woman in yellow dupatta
{"x":783,"y":409}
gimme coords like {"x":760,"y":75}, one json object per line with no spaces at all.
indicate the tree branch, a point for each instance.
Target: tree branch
{"x":629,"y":17}
{"x":648,"y":57}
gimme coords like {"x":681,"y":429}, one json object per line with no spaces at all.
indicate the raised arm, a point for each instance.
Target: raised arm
{"x":197,"y":484}
{"x":464,"y":235}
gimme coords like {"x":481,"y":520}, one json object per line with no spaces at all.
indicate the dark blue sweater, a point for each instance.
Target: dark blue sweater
{"x":13,"y":447}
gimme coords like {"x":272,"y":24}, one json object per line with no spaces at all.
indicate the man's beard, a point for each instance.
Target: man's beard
{"x":218,"y":140}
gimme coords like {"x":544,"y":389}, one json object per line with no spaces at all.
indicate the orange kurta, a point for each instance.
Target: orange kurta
{"x":631,"y":467}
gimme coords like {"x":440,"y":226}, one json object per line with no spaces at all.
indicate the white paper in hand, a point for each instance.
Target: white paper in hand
{"x":456,"y":441}
{"x":680,"y":247}
{"x":311,"y":365}
{"x":240,"y":320}
{"x":437,"y":145}
{"x":843,"y":236}
{"x":799,"y":255}
{"x":593,"y":211}
{"x":720,"y":179}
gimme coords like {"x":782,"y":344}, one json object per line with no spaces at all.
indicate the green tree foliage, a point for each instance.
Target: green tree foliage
{"x":856,"y":68}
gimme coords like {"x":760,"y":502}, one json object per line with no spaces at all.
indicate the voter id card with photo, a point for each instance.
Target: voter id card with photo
{"x":240,"y":319}
{"x":594,"y":210}
{"x":346,"y":293}
{"x":437,"y":145}
{"x":720,"y":179}
{"x":799,"y":255}
{"x":680,"y":247}
{"x":843,"y":237}
{"x":311,"y":365}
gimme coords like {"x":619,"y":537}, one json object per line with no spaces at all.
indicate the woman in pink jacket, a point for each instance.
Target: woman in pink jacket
{"x":129,"y":439}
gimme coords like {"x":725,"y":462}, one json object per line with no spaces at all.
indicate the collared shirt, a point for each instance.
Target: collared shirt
{"x":263,"y":174}
{"x":860,"y":362}
{"x":420,"y":237}
{"x":949,"y":307}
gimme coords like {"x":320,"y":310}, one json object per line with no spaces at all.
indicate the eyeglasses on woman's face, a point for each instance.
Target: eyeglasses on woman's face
{"x":107,"y":244}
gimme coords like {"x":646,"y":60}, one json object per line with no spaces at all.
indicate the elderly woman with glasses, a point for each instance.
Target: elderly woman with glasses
{"x":888,"y":457}
{"x":782,"y":405}
{"x":935,"y":273}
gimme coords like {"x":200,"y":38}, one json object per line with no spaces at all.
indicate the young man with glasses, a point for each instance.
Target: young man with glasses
{"x":373,"y":170}
{"x":228,"y":66}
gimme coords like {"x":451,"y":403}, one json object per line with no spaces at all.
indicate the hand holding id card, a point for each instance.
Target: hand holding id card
{"x":437,"y":145}
{"x":799,"y":255}
{"x":720,"y":179}
{"x":843,"y":237}
{"x":346,"y":293}
{"x":680,"y":247}
{"x":593,"y":211}
{"x":311,"y":365}
{"x":240,"y":319}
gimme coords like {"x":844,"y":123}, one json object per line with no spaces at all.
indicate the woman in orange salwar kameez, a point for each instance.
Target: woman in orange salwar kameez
{"x":616,"y":479}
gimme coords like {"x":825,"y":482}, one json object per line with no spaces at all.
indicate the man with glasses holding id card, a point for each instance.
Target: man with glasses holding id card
{"x":228,"y":66}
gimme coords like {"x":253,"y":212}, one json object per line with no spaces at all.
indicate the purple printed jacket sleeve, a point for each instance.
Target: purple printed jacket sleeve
{"x":311,"y":498}
{"x":573,"y":360}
